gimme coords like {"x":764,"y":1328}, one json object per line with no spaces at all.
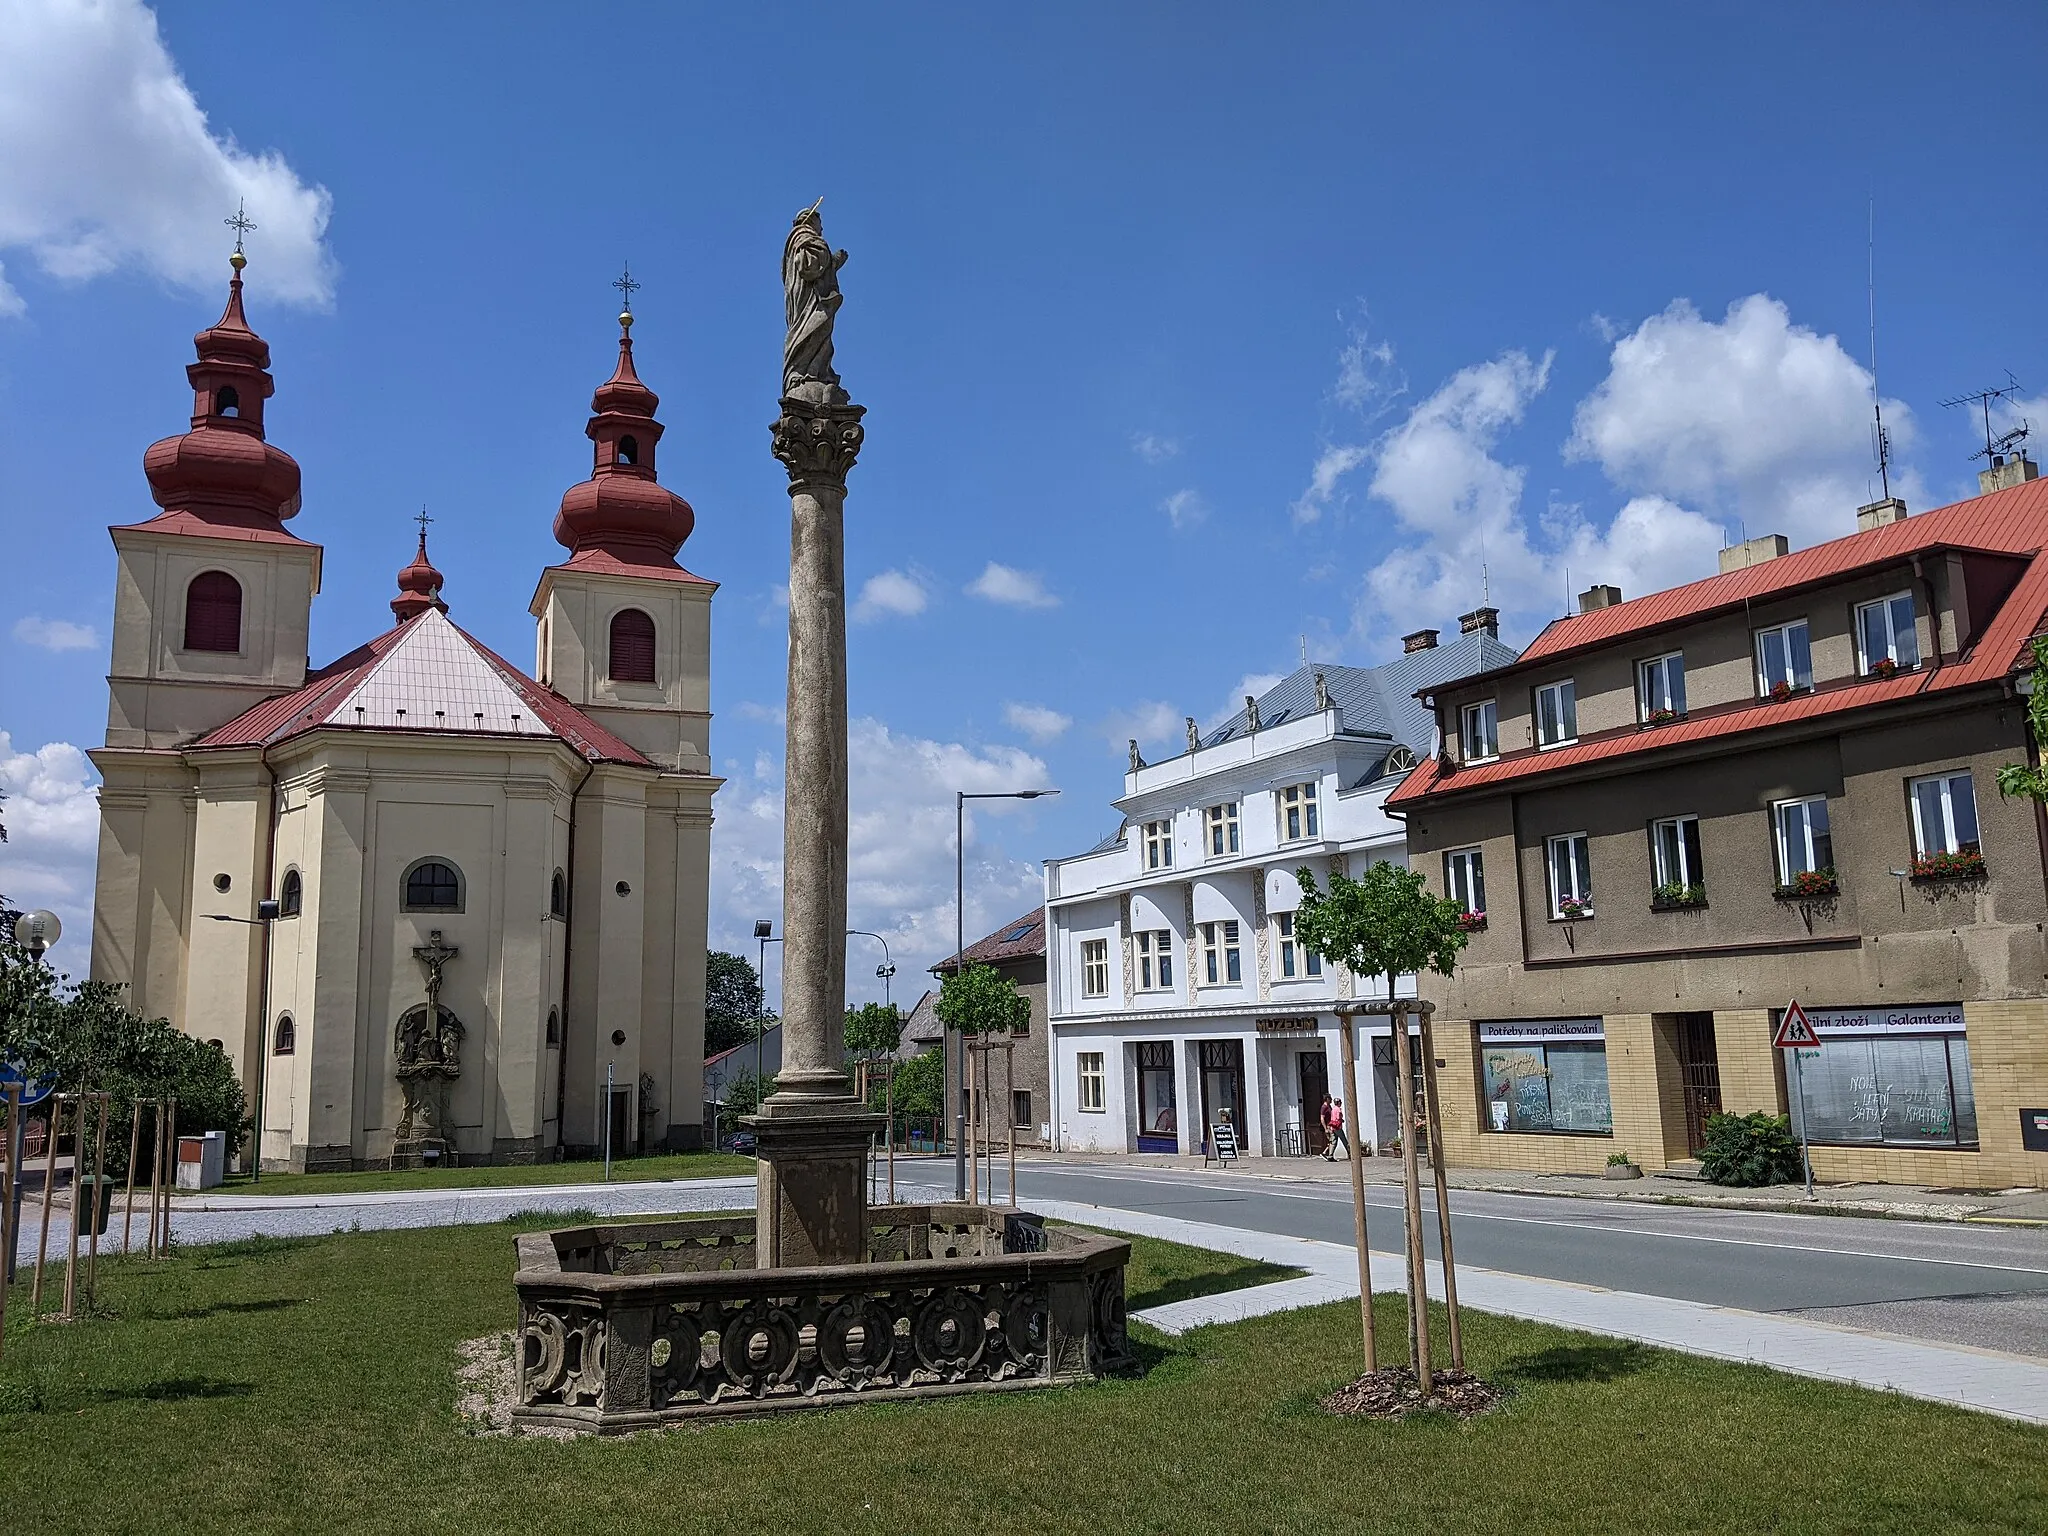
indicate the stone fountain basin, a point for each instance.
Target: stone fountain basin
{"x":634,"y":1325}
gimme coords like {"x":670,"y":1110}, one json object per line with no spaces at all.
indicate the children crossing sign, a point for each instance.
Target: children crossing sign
{"x":1794,"y":1029}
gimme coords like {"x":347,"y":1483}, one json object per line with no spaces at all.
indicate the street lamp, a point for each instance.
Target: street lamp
{"x":266,"y":914}
{"x":960,"y":799}
{"x":764,"y":930}
{"x":887,"y":968}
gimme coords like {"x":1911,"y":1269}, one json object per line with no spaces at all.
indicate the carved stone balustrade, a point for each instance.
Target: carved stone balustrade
{"x":633,"y":1326}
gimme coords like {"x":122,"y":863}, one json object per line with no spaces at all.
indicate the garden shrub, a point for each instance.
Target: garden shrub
{"x":1749,"y":1150}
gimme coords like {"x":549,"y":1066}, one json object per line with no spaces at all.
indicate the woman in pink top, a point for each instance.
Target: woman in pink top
{"x":1337,"y":1136}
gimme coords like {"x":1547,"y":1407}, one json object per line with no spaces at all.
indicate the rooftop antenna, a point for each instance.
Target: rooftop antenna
{"x":1304,"y":649}
{"x":1881,"y":442}
{"x":1995,"y":447}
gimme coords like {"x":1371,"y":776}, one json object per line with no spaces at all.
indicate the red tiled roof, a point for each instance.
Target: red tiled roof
{"x":2013,"y":521}
{"x":307,"y":707}
{"x":605,"y":563}
{"x":998,"y":947}
{"x":219,"y":527}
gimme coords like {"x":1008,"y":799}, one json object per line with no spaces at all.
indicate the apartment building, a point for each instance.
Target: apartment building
{"x":1178,"y":992}
{"x":1672,"y":815}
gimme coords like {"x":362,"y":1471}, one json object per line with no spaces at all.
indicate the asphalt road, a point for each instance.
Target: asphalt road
{"x":1981,"y":1285}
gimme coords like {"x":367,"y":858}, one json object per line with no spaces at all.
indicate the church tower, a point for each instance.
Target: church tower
{"x":624,"y":632}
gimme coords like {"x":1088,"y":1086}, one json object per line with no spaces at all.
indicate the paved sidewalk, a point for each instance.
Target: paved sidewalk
{"x":2006,"y":1385}
{"x":2026,"y":1207}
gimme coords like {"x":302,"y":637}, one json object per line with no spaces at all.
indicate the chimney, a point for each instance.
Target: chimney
{"x":1599,"y":596}
{"x":1421,"y":640}
{"x":1765,"y":546}
{"x":1879,"y":513}
{"x":1486,"y":620}
{"x":2007,"y":471}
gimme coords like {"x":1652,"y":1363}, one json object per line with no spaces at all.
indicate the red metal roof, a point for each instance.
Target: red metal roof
{"x":605,"y":563}
{"x":2013,"y":521}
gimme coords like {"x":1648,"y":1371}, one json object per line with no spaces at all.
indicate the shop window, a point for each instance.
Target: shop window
{"x":291,"y":895}
{"x":632,"y":647}
{"x":1155,"y":960}
{"x":1784,"y":660}
{"x":1020,"y":1109}
{"x":1296,"y":958}
{"x":1465,"y":880}
{"x":1095,"y":967}
{"x":1480,"y":732}
{"x":1158,"y":845}
{"x":1221,"y":965}
{"x":1557,"y":714}
{"x":433,"y":885}
{"x":1908,"y":1091}
{"x":1548,"y":1076}
{"x":1885,"y":634}
{"x":213,"y":613}
{"x":1223,"y":839}
{"x":1298,"y":819}
{"x":1944,"y":814}
{"x":1092,"y":1080}
{"x":286,"y":1040}
{"x":1158,"y":1111}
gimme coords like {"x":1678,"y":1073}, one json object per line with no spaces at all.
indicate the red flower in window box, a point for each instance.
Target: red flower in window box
{"x":1572,"y":908}
{"x":1781,"y":690}
{"x":1661,"y":717}
{"x":1472,"y":922}
{"x":1884,"y":668}
{"x":1809,"y":884}
{"x":1965,"y":865}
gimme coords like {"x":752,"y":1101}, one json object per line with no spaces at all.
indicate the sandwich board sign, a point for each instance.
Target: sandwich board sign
{"x":1795,"y":1030}
{"x":1796,"y":1034}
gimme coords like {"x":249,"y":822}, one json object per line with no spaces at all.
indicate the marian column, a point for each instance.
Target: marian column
{"x":812,"y":1133}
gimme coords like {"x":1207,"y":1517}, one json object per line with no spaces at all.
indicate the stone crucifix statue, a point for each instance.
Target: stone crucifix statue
{"x":811,"y":299}
{"x":428,"y":1045}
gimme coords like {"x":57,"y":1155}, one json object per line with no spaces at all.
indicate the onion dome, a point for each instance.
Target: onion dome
{"x":419,"y":586}
{"x":620,"y":509}
{"x":222,"y":471}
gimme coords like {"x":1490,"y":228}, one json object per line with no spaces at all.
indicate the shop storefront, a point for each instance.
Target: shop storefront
{"x":1158,"y":1110}
{"x":1545,"y":1076}
{"x":1895,"y":1077}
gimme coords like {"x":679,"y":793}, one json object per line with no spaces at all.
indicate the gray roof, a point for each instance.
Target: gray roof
{"x":1376,"y":701}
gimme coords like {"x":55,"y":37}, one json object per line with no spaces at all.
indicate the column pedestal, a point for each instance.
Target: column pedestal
{"x":811,"y":1193}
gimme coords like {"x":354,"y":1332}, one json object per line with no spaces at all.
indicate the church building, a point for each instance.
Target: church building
{"x":491,"y":888}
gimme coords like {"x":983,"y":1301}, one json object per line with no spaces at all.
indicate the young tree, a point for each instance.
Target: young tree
{"x":2031,"y":780}
{"x":743,"y":1094}
{"x":735,"y":1006}
{"x":979,"y":1000}
{"x":873,"y":1029}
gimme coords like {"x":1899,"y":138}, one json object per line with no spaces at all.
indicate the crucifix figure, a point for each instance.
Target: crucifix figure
{"x":428,"y":1045}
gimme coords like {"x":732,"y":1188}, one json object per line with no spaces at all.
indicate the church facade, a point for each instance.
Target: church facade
{"x":491,"y":887}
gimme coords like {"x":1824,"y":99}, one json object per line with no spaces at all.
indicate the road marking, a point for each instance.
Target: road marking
{"x":1618,"y":1231}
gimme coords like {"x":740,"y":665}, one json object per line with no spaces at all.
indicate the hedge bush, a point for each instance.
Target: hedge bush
{"x":1748,"y":1150}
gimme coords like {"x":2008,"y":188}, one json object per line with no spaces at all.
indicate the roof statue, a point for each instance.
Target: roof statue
{"x":811,"y":299}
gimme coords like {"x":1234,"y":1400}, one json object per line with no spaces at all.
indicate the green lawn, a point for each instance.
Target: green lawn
{"x":673,"y":1165}
{"x":308,"y":1385}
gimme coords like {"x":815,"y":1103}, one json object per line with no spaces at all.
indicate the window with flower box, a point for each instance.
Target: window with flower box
{"x":1886,"y":641}
{"x":1660,"y":688}
{"x":1805,"y":847}
{"x":1571,"y":875}
{"x":1465,"y":883}
{"x":1784,"y":660}
{"x":1946,"y":845}
{"x":1681,"y":879}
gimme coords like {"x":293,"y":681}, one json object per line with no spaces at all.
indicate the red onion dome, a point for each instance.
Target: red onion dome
{"x":419,"y":586}
{"x":222,"y":470}
{"x":621,"y":509}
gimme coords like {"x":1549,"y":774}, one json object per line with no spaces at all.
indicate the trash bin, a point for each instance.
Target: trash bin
{"x":202,"y":1160}
{"x":95,"y":1196}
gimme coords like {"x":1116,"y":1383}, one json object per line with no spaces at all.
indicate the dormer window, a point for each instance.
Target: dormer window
{"x":1480,"y":731}
{"x":629,"y":450}
{"x":1886,"y":639}
{"x":226,"y":402}
{"x":1557,"y":714}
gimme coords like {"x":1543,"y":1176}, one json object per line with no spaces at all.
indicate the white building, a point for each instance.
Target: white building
{"x":1176,"y":988}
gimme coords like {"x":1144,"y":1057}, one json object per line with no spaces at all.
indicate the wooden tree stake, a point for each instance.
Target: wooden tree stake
{"x":1411,"y":1181}
{"x":1372,"y":1359}
{"x":1433,"y":1112}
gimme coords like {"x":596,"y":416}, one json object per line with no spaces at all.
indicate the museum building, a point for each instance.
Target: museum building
{"x":491,"y":888}
{"x":1672,"y":816}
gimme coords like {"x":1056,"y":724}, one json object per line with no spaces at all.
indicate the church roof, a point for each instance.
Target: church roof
{"x":428,"y":676}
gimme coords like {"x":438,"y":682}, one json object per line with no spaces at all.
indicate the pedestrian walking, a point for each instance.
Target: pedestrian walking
{"x":1324,"y":1116}
{"x":1337,"y":1136}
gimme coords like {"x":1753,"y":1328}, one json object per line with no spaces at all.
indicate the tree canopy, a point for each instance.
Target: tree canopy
{"x":920,"y":1087}
{"x":1382,"y":924}
{"x":873,"y":1029}
{"x":735,"y":1006}
{"x":979,"y":1000}
{"x":2020,"y":779}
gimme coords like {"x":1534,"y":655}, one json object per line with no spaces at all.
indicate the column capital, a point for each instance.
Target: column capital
{"x":817,"y":442}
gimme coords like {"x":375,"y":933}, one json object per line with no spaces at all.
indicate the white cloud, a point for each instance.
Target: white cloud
{"x":766,"y":714}
{"x":1368,"y":384}
{"x":1037,"y":721}
{"x":1011,"y":587}
{"x":55,"y":634}
{"x":1151,"y":721}
{"x":890,"y":592}
{"x":1748,"y":417}
{"x":1335,"y":462}
{"x":107,"y":162}
{"x":1253,"y":684}
{"x":1185,"y":508}
{"x":899,"y":851}
{"x":53,"y":829}
{"x":1152,"y":448}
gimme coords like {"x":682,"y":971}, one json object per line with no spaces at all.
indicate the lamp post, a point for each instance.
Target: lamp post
{"x":764,"y":931}
{"x":266,"y":914}
{"x":960,"y":799}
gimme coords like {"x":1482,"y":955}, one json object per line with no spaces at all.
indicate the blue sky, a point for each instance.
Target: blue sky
{"x":1216,"y":328}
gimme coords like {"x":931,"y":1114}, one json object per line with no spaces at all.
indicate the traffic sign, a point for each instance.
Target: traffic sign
{"x":33,"y":1090}
{"x":1794,"y":1029}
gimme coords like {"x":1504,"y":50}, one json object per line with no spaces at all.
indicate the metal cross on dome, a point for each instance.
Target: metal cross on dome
{"x":626,"y":285}
{"x":423,"y":520}
{"x":241,"y":224}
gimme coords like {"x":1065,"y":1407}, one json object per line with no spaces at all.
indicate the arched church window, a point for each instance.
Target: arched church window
{"x":433,"y":885}
{"x":227,"y":401}
{"x":629,"y":449}
{"x":287,"y":1039}
{"x":213,"y":613}
{"x":632,"y":647}
{"x":558,"y":896}
{"x":554,"y":1026}
{"x":291,"y":895}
